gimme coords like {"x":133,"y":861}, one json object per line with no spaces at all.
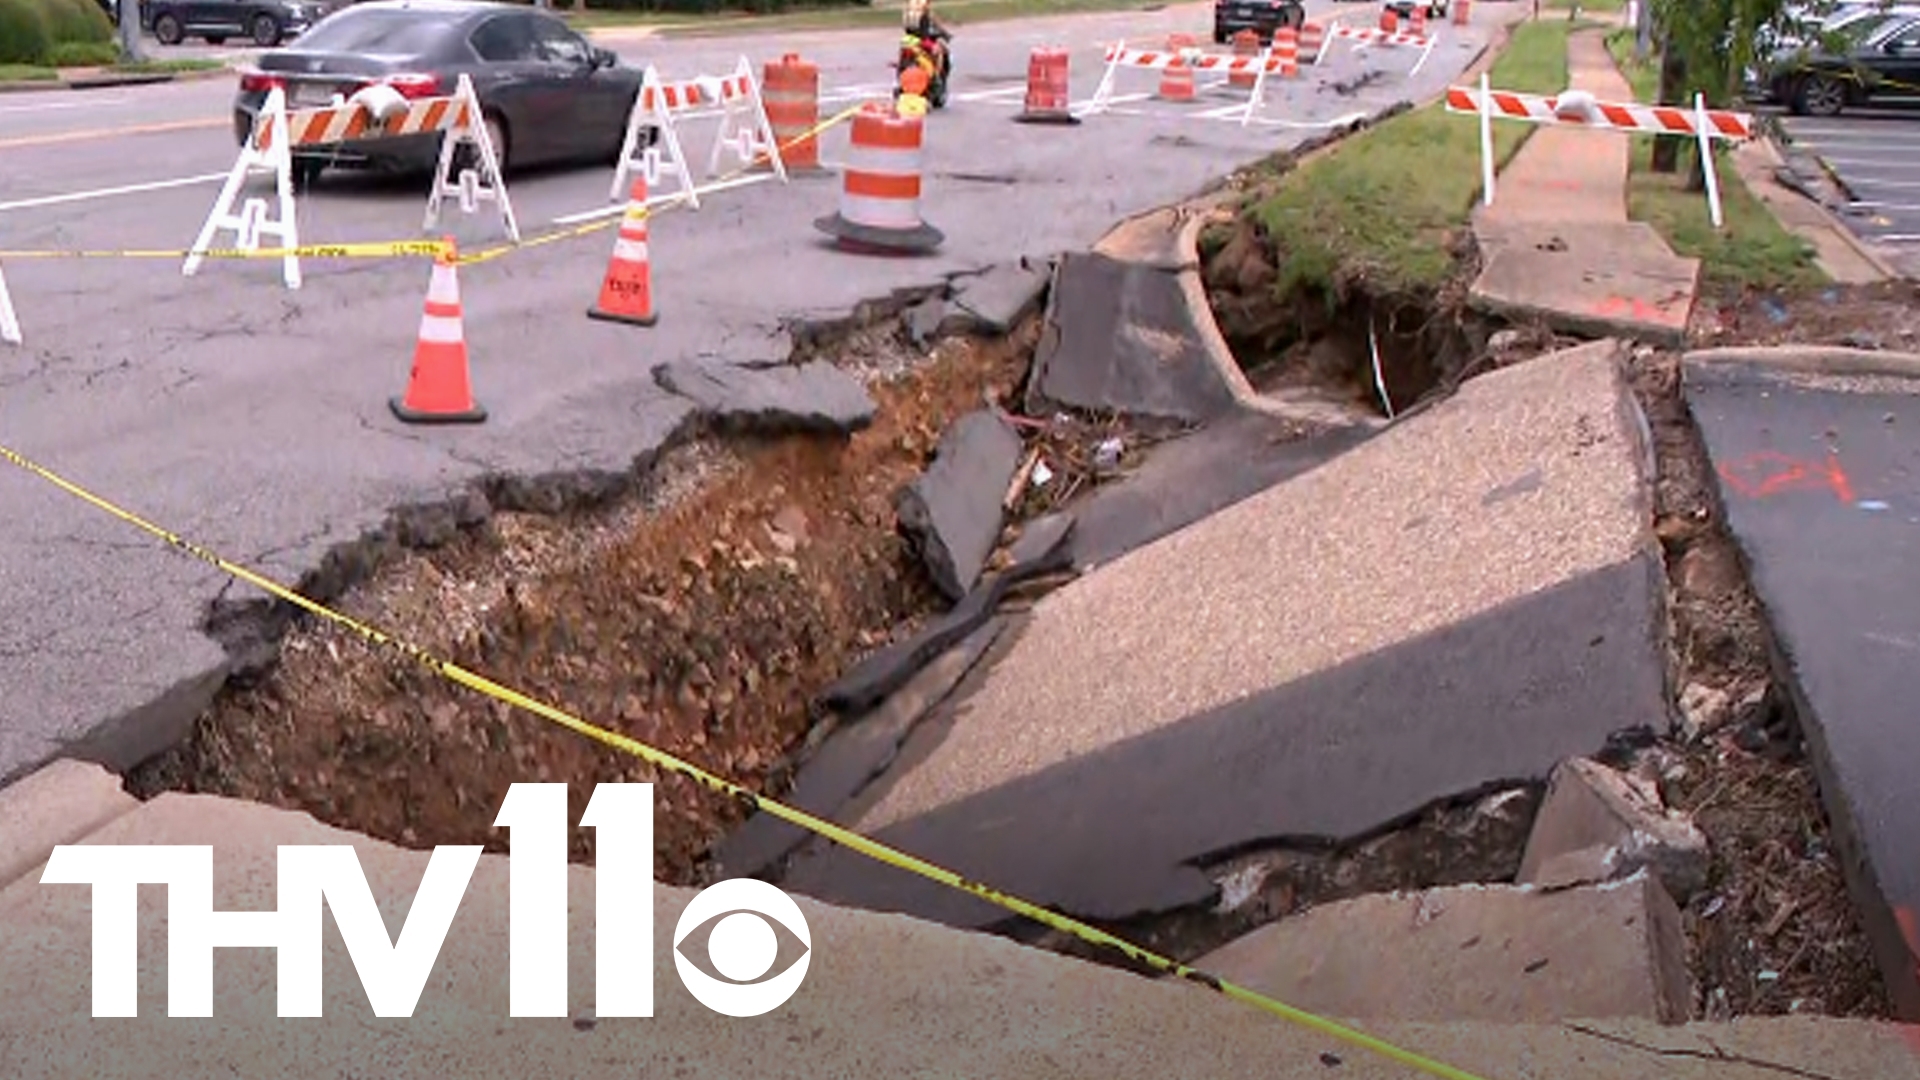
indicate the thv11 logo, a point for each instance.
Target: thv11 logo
{"x":742,"y":944}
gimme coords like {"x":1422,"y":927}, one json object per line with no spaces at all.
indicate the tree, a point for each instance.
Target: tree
{"x":1706,"y":47}
{"x":130,"y":51}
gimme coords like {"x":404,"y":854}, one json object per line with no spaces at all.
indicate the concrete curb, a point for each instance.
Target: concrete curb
{"x":1813,"y":359}
{"x":112,"y":79}
{"x":58,"y":804}
{"x":1839,"y":228}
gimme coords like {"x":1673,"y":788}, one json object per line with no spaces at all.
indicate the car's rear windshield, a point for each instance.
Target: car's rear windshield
{"x":380,"y":33}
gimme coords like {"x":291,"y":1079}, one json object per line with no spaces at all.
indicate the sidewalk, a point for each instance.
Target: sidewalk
{"x":1557,"y":243}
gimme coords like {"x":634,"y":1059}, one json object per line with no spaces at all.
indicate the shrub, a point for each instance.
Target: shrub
{"x":76,"y":21}
{"x":83,"y":54}
{"x":24,"y":34}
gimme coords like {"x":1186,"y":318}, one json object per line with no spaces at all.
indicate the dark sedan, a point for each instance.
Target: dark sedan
{"x":1262,"y":17}
{"x":1868,"y":61}
{"x":546,"y":93}
{"x":264,"y":22}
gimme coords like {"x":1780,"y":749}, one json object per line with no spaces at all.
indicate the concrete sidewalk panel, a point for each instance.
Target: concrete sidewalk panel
{"x":58,"y":804}
{"x":1820,"y":477}
{"x":1497,"y":953}
{"x":1467,"y":598}
{"x":884,"y":996}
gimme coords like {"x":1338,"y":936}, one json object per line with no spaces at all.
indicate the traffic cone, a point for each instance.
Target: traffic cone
{"x":626,"y":293}
{"x":439,"y":390}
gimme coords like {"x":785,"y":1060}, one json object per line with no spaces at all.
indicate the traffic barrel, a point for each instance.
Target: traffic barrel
{"x":1286,"y":51}
{"x":1047,"y":88}
{"x":1461,"y":16}
{"x":1417,"y":21}
{"x":1313,"y":38}
{"x":1176,"y":82}
{"x":1246,"y":60}
{"x":880,"y":188}
{"x":790,"y":89}
{"x":1388,"y":20}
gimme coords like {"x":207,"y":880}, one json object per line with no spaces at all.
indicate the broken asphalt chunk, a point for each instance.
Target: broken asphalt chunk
{"x":1597,"y":825}
{"x":1002,"y":295}
{"x":952,"y":513}
{"x":802,"y":399}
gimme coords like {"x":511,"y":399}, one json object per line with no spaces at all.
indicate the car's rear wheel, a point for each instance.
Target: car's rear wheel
{"x":1819,"y":95}
{"x":468,"y":156}
{"x":168,"y":29}
{"x":265,"y":30}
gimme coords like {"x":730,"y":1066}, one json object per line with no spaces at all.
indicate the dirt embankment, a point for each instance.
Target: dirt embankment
{"x":702,"y":620}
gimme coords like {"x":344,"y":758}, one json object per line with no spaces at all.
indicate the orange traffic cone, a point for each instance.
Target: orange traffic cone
{"x":439,"y":390}
{"x":626,"y":293}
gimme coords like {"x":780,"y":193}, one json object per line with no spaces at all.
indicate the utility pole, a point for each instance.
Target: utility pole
{"x":130,"y":45}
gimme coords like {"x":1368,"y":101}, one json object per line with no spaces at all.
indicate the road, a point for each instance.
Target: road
{"x":1875,"y":153}
{"x":254,"y":419}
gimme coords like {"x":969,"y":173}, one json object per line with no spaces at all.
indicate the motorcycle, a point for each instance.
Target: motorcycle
{"x":929,"y":53}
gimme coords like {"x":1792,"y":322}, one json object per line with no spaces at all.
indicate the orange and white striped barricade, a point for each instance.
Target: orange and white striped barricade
{"x":1366,"y":37}
{"x":880,"y":188}
{"x":1578,"y":108}
{"x":375,"y":112}
{"x":1118,"y":56}
{"x":745,"y":131}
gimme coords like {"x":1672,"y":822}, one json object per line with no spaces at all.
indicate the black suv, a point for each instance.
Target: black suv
{"x":1262,"y":17}
{"x":266,"y":22}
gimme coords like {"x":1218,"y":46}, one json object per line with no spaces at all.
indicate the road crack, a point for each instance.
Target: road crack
{"x":1718,"y":1054}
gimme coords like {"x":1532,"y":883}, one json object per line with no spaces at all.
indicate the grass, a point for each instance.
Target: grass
{"x":30,"y":73}
{"x":1386,"y":203}
{"x":26,"y":73}
{"x":1595,"y":7}
{"x":844,"y":16}
{"x":1753,"y":250}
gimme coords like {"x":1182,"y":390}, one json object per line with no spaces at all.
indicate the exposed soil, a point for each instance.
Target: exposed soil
{"x":1328,"y":340}
{"x":1884,"y":316}
{"x":701,"y":620}
{"x":1774,"y":931}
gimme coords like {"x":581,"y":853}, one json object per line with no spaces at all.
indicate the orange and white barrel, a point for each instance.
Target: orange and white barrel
{"x":1286,"y":51}
{"x":1313,"y":37}
{"x":790,"y":89}
{"x":1388,"y":20}
{"x":880,"y":189}
{"x":1462,"y":12}
{"x":1176,"y":80}
{"x":1246,"y":55}
{"x":1047,"y":88}
{"x":1417,"y":21}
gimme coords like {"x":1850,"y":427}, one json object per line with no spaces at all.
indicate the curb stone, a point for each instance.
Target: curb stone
{"x":110,"y":80}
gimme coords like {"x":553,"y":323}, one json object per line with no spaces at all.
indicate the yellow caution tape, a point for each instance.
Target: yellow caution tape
{"x":661,"y":759}
{"x":382,"y":250}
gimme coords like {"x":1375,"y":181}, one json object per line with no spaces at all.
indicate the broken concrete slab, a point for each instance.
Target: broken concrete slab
{"x":1341,"y":643}
{"x":794,"y":399}
{"x":1597,"y":824}
{"x":887,"y":669}
{"x":1119,"y":337}
{"x":1491,"y":953}
{"x":882,"y":996}
{"x":999,"y":297}
{"x":58,"y":804}
{"x":1041,"y":537}
{"x":954,"y":511}
{"x":1820,"y":478}
{"x":851,"y":757}
{"x":1588,"y":278}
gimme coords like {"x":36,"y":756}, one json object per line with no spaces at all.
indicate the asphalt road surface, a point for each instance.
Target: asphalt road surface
{"x":254,"y":419}
{"x":1876,"y":155}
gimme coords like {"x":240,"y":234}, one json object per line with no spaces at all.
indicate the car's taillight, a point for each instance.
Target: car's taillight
{"x":414,"y":86}
{"x":258,"y":82}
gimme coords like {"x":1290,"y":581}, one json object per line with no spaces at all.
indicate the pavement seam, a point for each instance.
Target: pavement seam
{"x":1717,"y":1055}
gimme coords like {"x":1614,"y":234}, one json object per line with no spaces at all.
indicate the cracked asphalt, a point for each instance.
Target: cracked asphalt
{"x":253,"y":419}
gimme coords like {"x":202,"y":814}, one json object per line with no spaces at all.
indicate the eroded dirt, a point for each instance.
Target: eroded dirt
{"x":702,"y":621}
{"x":1774,"y":931}
{"x":1883,"y":316}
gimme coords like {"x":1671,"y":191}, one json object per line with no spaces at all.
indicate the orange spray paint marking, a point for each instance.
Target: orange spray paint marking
{"x":1767,"y":473}
{"x":1910,"y":933}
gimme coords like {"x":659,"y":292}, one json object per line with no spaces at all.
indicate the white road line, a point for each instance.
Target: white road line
{"x":1867,"y":181}
{"x":50,"y":106}
{"x":705,"y":189}
{"x":107,"y":193}
{"x":1879,"y":145}
{"x":1895,"y":207}
{"x":1899,"y":238}
{"x":1868,"y":163}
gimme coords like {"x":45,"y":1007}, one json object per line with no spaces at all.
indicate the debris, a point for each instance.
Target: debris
{"x":1596,"y":825}
{"x":1106,"y":455}
{"x":952,"y":513}
{"x":812,"y":397}
{"x":1003,"y":294}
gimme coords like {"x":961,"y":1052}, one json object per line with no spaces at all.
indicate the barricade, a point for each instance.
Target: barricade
{"x":791,"y":92}
{"x":1118,"y":56}
{"x":1246,"y":46}
{"x":1048,"y":88}
{"x":376,"y":112}
{"x":880,"y":194}
{"x":745,"y":132}
{"x":1364,"y":37}
{"x":1577,"y":108}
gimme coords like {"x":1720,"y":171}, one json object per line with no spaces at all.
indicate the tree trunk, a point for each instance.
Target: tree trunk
{"x":1673,"y":88}
{"x":1697,"y":175}
{"x":130,"y":52}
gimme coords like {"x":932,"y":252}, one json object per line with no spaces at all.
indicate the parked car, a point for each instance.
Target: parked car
{"x":1436,"y":9}
{"x":1864,"y":60}
{"x":1262,"y":17}
{"x":266,"y":22}
{"x":546,"y":94}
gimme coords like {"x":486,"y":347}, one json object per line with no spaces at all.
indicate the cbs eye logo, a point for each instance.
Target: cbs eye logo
{"x":740,"y":920}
